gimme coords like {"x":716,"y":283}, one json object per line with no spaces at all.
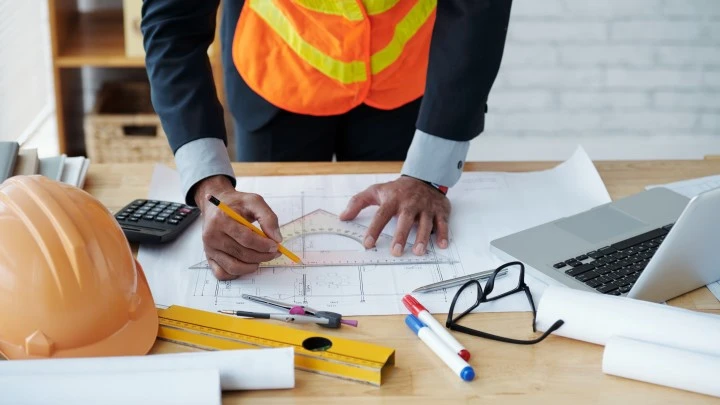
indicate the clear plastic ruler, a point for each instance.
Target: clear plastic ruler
{"x":321,"y":222}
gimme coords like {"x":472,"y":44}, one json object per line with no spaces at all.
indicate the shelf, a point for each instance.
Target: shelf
{"x":96,"y":39}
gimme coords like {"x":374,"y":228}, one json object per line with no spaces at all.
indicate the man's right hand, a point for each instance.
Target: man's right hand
{"x":231,"y":248}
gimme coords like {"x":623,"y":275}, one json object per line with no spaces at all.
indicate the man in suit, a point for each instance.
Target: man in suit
{"x":307,"y":80}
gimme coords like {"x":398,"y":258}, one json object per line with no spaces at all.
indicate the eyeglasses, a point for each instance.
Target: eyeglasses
{"x":479,"y":296}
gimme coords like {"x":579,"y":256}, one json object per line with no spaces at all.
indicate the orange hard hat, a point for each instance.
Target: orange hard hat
{"x":69,"y":285}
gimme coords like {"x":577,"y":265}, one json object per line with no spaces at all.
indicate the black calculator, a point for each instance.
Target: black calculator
{"x":153,"y":221}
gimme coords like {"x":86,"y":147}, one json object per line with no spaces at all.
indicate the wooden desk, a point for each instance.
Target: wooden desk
{"x":558,"y":370}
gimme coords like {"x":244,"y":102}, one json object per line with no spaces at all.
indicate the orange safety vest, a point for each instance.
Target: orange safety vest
{"x":324,"y":57}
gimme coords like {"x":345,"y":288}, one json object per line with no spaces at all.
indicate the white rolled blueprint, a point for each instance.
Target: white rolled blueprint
{"x":595,"y":318}
{"x":662,"y":365}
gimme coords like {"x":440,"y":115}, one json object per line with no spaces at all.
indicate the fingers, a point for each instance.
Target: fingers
{"x":441,"y":231}
{"x":233,"y":249}
{"x":244,"y":253}
{"x":228,"y":266}
{"x":244,"y":238}
{"x":257,"y":208}
{"x":405,"y":223}
{"x":218,"y":271}
{"x":423,"y":234}
{"x":358,"y":203}
{"x":381,"y":218}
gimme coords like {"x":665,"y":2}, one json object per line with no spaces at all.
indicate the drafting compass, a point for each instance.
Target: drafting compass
{"x":321,"y":222}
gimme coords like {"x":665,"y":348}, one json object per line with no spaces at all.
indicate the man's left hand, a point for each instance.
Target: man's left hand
{"x":411,"y":201}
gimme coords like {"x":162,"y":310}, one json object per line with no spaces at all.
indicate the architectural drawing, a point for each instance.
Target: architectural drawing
{"x":346,"y":278}
{"x":299,"y":236}
{"x":338,"y":272}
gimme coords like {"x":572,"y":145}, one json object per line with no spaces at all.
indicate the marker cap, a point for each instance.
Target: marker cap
{"x":412,"y":304}
{"x":414,"y":323}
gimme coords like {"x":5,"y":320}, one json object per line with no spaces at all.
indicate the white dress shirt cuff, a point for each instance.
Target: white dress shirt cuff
{"x":200,"y":159}
{"x":434,"y":159}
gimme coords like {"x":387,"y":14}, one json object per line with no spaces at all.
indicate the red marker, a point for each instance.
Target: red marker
{"x":422,"y":314}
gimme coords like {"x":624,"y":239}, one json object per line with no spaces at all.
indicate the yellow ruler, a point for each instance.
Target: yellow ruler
{"x":323,"y":354}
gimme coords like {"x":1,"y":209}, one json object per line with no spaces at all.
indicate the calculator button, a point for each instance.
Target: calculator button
{"x":160,"y":219}
{"x":136,"y":216}
{"x":155,"y":210}
{"x":149,"y":217}
{"x":185,"y":210}
{"x":175,"y":205}
{"x":177,"y":218}
{"x":182,"y":214}
{"x":121,"y":217}
{"x":133,"y":219}
{"x":173,"y":221}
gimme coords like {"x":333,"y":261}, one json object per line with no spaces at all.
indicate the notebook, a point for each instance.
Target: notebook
{"x":27,"y":162}
{"x":52,"y":167}
{"x":8,"y":157}
{"x":74,"y":171}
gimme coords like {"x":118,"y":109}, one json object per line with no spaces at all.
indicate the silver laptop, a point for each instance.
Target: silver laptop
{"x":653,"y":246}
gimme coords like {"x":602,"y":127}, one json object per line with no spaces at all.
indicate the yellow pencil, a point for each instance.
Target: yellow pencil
{"x":234,"y":215}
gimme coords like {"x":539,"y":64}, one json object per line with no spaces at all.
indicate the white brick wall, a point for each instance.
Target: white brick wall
{"x":592,"y":71}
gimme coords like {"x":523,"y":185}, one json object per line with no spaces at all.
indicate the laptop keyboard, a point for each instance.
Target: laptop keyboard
{"x":614,"y":269}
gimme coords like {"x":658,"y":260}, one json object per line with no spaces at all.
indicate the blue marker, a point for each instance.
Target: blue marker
{"x":455,"y":362}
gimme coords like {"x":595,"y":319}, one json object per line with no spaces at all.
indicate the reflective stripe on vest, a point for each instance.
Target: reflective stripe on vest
{"x":406,"y":28}
{"x":343,"y":72}
{"x":292,"y":41}
{"x":348,"y":9}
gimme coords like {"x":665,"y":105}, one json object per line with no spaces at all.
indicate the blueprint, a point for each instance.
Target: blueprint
{"x":345,"y":277}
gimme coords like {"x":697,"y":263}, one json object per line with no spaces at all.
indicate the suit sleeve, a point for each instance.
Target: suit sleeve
{"x":465,"y":53}
{"x":177,"y":35}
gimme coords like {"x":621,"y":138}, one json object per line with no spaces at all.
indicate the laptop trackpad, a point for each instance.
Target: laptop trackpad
{"x":599,"y":224}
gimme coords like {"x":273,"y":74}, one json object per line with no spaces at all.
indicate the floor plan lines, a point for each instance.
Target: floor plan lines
{"x":338,"y":271}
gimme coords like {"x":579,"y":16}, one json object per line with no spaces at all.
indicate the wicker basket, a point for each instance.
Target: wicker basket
{"x":124,"y":128}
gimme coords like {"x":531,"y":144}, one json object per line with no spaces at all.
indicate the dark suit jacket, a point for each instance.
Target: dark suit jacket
{"x":465,"y":53}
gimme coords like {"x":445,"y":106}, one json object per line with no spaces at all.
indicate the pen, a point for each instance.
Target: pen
{"x":456,"y":364}
{"x":421,"y":313}
{"x":234,"y":215}
{"x":278,"y":317}
{"x":334,"y":317}
{"x":483,"y":275}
